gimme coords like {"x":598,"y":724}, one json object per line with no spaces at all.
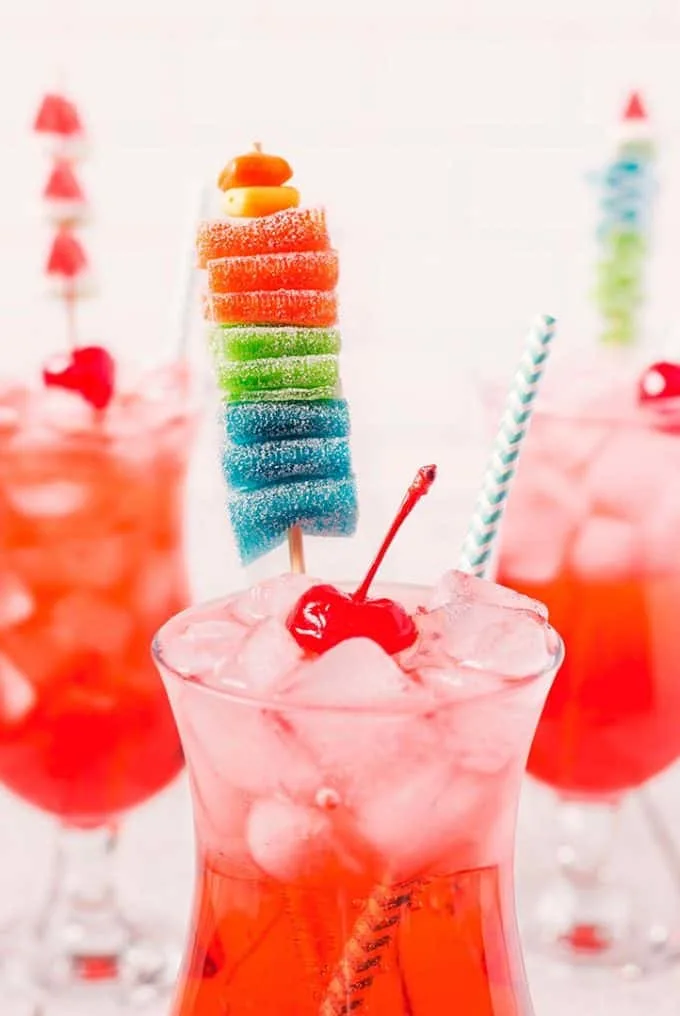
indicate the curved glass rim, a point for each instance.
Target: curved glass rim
{"x":555,"y":651}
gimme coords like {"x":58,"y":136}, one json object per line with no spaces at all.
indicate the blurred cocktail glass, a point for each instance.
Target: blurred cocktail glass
{"x":593,"y":530}
{"x":91,"y":562}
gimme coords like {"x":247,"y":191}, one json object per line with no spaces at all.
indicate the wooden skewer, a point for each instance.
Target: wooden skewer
{"x":296,"y":550}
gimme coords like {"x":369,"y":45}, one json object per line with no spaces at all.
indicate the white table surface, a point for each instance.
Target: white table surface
{"x":156,"y":845}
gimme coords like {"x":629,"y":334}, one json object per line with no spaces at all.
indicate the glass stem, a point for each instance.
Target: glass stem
{"x":587,"y":832}
{"x":82,"y":929}
{"x":585,"y":911}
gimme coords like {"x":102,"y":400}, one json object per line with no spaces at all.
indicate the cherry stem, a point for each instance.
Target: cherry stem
{"x":424,"y":479}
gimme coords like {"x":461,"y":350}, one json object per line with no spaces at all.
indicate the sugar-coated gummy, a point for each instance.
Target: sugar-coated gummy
{"x":290,"y":270}
{"x":260,"y":519}
{"x":324,"y":392}
{"x":250,"y":467}
{"x":234,"y":343}
{"x":290,"y":230}
{"x":250,"y":422}
{"x":254,"y":378}
{"x":311,"y":307}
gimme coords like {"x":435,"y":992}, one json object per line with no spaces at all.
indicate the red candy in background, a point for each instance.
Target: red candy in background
{"x":67,"y":257}
{"x":660,"y":381}
{"x":90,"y":370}
{"x":62,"y":184}
{"x":635,"y":110}
{"x":57,"y":115}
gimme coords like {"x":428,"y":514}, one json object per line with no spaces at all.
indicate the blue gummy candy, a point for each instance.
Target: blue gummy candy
{"x":261,"y":518}
{"x":249,"y":467}
{"x":249,"y":422}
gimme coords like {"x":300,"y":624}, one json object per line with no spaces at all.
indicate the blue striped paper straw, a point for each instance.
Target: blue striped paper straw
{"x":502,"y":464}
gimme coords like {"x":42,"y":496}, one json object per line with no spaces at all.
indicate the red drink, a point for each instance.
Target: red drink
{"x":453,"y":951}
{"x":91,"y":563}
{"x":355,"y":810}
{"x":593,"y":530}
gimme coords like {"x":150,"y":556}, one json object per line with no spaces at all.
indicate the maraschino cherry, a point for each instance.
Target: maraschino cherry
{"x":660,"y":381}
{"x":325,"y":616}
{"x":88,"y":370}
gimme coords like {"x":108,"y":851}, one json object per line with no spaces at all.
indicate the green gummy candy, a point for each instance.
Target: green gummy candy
{"x":285,"y":377}
{"x":261,"y":342}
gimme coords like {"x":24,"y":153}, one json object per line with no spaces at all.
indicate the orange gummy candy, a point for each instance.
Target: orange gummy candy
{"x":303,"y":307}
{"x":292,"y":230}
{"x":298,"y":270}
{"x":254,"y":201}
{"x":255,"y":169}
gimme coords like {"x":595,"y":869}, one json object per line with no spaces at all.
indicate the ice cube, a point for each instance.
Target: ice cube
{"x":660,"y":533}
{"x":373,"y":719}
{"x":206,"y":646}
{"x":632,"y":472}
{"x":288,"y":840}
{"x":83,"y":620}
{"x":94,"y":562}
{"x":423,"y":816}
{"x":606,"y":549}
{"x":63,"y":411}
{"x":543,"y":510}
{"x":355,"y":672}
{"x":17,"y":695}
{"x":267,"y":657}
{"x":51,"y":499}
{"x":458,"y":587}
{"x":161,"y":582}
{"x":570,"y":443}
{"x":16,"y":602}
{"x":497,"y":640}
{"x":253,"y":750}
{"x":488,"y":734}
{"x":272,"y":598}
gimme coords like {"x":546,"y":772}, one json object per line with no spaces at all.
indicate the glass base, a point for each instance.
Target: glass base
{"x":131,"y":967}
{"x":599,"y":926}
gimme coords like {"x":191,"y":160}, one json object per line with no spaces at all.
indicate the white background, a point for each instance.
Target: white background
{"x":451,"y":142}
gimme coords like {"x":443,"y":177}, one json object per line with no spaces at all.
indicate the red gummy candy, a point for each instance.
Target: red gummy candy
{"x":305,"y":308}
{"x":291,"y":230}
{"x":89,"y":370}
{"x":57,"y":115}
{"x":635,"y":109}
{"x":63,"y":184}
{"x":295,"y":270}
{"x":660,"y":381}
{"x":67,"y":257}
